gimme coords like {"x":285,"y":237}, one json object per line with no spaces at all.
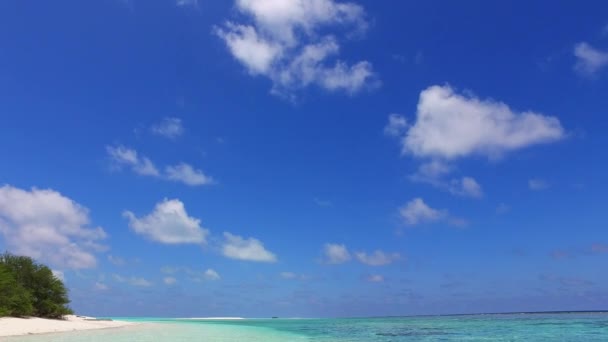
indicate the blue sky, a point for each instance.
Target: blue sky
{"x":307,"y":158}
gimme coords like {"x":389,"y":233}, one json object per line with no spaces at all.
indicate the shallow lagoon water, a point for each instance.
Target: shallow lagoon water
{"x":516,"y":327}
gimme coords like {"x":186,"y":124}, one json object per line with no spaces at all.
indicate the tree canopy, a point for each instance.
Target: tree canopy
{"x":28,"y":288}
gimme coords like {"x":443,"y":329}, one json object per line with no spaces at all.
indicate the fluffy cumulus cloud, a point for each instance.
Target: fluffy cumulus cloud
{"x":169,"y":223}
{"x":49,"y":227}
{"x":417,"y":211}
{"x":211,"y":274}
{"x":336,"y":254}
{"x":168,"y":127}
{"x":237,"y":247}
{"x":378,"y":258}
{"x":589,"y":60}
{"x":121,"y":156}
{"x":285,"y":40}
{"x":449,"y":126}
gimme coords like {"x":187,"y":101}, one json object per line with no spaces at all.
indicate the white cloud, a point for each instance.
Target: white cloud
{"x":100,"y":286}
{"x":194,"y":275}
{"x":375,"y":278}
{"x":397,"y":125}
{"x":589,"y":59}
{"x":59,"y":275}
{"x":187,"y":3}
{"x":169,"y":223}
{"x":49,"y":227}
{"x":378,"y":258}
{"x":116,"y":261}
{"x":236,"y":247}
{"x":123,"y":156}
{"x":450,"y":126}
{"x":211,"y":274}
{"x":133,"y":281}
{"x":336,"y":254}
{"x":283,"y":42}
{"x":250,"y":49}
{"x":169,"y":280}
{"x":434,"y":173}
{"x":169,"y":269}
{"x":538,"y":184}
{"x":169,"y":127}
{"x":417,"y":211}
{"x":467,"y":187}
{"x":288,"y":275}
{"x":432,"y":170}
{"x":294,"y":276}
{"x":188,"y":175}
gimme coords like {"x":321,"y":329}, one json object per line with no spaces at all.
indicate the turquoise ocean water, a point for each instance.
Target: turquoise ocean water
{"x":512,"y":327}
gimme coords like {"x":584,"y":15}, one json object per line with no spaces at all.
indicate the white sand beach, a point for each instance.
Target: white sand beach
{"x":27,"y":326}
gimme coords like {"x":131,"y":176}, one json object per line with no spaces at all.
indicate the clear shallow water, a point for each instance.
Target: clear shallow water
{"x":521,"y":327}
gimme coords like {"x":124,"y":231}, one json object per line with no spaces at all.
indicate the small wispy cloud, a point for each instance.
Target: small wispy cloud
{"x":169,"y":281}
{"x":187,"y":3}
{"x":375,"y":278}
{"x":192,"y":274}
{"x":211,"y":274}
{"x":169,"y":127}
{"x":99,"y":286}
{"x":377,"y":258}
{"x":188,"y":175}
{"x":599,"y":248}
{"x":121,"y":156}
{"x":116,"y":261}
{"x":589,"y":60}
{"x":397,"y":126}
{"x":503,"y":208}
{"x":537,"y":184}
{"x":133,"y":281}
{"x":417,"y":212}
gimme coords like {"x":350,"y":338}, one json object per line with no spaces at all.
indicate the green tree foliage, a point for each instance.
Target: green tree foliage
{"x":14,"y":299}
{"x":28,"y":288}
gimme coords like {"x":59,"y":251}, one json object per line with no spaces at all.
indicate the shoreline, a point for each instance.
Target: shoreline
{"x":10,"y":326}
